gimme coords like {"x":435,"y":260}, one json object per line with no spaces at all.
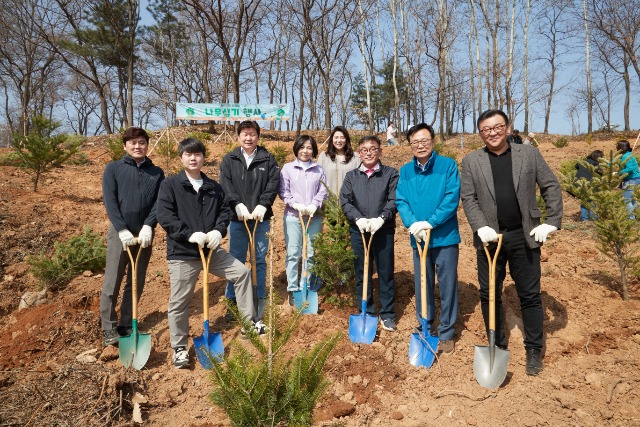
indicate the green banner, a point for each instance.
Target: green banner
{"x":232,"y":112}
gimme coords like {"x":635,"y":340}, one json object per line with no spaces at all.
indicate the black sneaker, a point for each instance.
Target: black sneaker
{"x":124,"y":331}
{"x":180,"y":357}
{"x":534,"y":361}
{"x":388,"y":324}
{"x":110,"y":337}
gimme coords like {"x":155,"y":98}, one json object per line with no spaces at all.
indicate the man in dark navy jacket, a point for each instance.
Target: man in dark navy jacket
{"x":193,"y":211}
{"x":129,"y":189}
{"x":368,"y":199}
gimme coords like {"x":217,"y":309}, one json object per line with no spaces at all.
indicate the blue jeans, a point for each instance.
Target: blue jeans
{"x":238,"y":245}
{"x":444,"y":262}
{"x":628,"y":187}
{"x":586,"y":214}
{"x":293,"y":242}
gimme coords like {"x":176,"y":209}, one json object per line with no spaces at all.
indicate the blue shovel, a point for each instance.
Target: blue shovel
{"x":423,"y":346}
{"x":305,"y":300}
{"x":362,"y":327}
{"x":208,"y":345}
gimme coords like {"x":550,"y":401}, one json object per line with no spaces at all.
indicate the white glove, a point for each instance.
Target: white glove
{"x":127,"y":239}
{"x":487,"y":234}
{"x":300,"y":208}
{"x":199,"y":238}
{"x":363,"y":224}
{"x":419,"y":226}
{"x":375,"y":224}
{"x":145,"y":236}
{"x":542,"y":231}
{"x":258,"y":213}
{"x":242,"y":212}
{"x":213,"y":239}
{"x":311,"y":209}
{"x":422,"y":235}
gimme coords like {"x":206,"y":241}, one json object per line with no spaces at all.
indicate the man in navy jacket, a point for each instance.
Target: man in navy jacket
{"x":129,"y":189}
{"x":193,"y":211}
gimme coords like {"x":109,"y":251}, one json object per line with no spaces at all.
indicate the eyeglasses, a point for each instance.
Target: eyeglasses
{"x":369,"y":151}
{"x":424,"y":142}
{"x":496,"y":129}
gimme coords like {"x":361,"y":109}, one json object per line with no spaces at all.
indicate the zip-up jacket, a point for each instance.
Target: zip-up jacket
{"x":130,"y":193}
{"x":364,"y":197}
{"x":298,"y":185}
{"x":431,"y":195}
{"x":254,"y":185}
{"x":182,"y":212}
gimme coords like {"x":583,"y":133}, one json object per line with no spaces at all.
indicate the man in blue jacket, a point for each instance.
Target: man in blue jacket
{"x":427,"y":199}
{"x":250,"y":177}
{"x":368,"y":200}
{"x":130,"y":190}
{"x":193,"y":211}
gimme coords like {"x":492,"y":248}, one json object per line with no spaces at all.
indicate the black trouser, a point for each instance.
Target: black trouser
{"x":524,"y":266}
{"x":382,"y":248}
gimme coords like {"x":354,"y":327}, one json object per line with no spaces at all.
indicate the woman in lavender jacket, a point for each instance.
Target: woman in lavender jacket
{"x":302,"y":192}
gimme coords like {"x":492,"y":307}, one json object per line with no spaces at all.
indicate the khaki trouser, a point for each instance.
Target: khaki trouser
{"x":184,"y":275}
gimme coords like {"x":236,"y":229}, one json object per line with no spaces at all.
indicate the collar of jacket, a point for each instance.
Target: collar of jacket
{"x":297,"y":164}
{"x":427,"y":166}
{"x":377,"y":172}
{"x":261,"y":154}
{"x":207,"y":184}
{"x":129,"y":160}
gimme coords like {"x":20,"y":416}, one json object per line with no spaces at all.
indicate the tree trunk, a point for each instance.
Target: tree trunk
{"x":588,"y":70}
{"x":365,"y":71}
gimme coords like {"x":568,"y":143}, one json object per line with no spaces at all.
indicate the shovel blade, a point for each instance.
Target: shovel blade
{"x":306,"y":300}
{"x":134,"y":349}
{"x":422,"y":351}
{"x":362,"y":328}
{"x":209,"y":347}
{"x":488,"y":374}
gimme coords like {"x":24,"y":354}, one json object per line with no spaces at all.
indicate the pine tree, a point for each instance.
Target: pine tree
{"x":616,"y":230}
{"x":333,"y":255}
{"x":41,"y":150}
{"x":265,"y":387}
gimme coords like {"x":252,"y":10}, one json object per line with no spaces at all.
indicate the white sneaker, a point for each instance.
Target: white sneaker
{"x":258,"y":327}
{"x":180,"y":357}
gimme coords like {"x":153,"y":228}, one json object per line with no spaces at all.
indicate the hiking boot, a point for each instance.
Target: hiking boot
{"x":110,"y":337}
{"x":534,"y":361}
{"x":446,"y":346}
{"x":228,"y":316}
{"x":124,"y":331}
{"x":180,"y":357}
{"x":291,"y":299}
{"x":388,"y":324}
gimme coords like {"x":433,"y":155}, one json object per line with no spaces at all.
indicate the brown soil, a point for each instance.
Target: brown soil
{"x":592,"y":336}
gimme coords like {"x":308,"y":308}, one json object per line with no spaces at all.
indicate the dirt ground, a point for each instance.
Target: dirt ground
{"x":592,"y":368}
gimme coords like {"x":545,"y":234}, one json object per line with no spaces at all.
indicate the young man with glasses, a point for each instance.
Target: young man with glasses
{"x":498,"y":191}
{"x":368,"y":199}
{"x":427,"y":199}
{"x":130,"y":191}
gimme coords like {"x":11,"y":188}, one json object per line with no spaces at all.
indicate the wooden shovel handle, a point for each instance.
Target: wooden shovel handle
{"x":134,"y":279}
{"x":252,"y":250}
{"x":365,"y":274}
{"x":205,"y":282}
{"x":492,"y":282}
{"x":422,"y":251}
{"x":305,"y":236}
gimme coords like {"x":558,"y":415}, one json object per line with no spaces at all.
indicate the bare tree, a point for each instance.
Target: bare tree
{"x":588,"y":68}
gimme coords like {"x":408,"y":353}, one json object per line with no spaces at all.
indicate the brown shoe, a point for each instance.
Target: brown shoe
{"x":446,"y":346}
